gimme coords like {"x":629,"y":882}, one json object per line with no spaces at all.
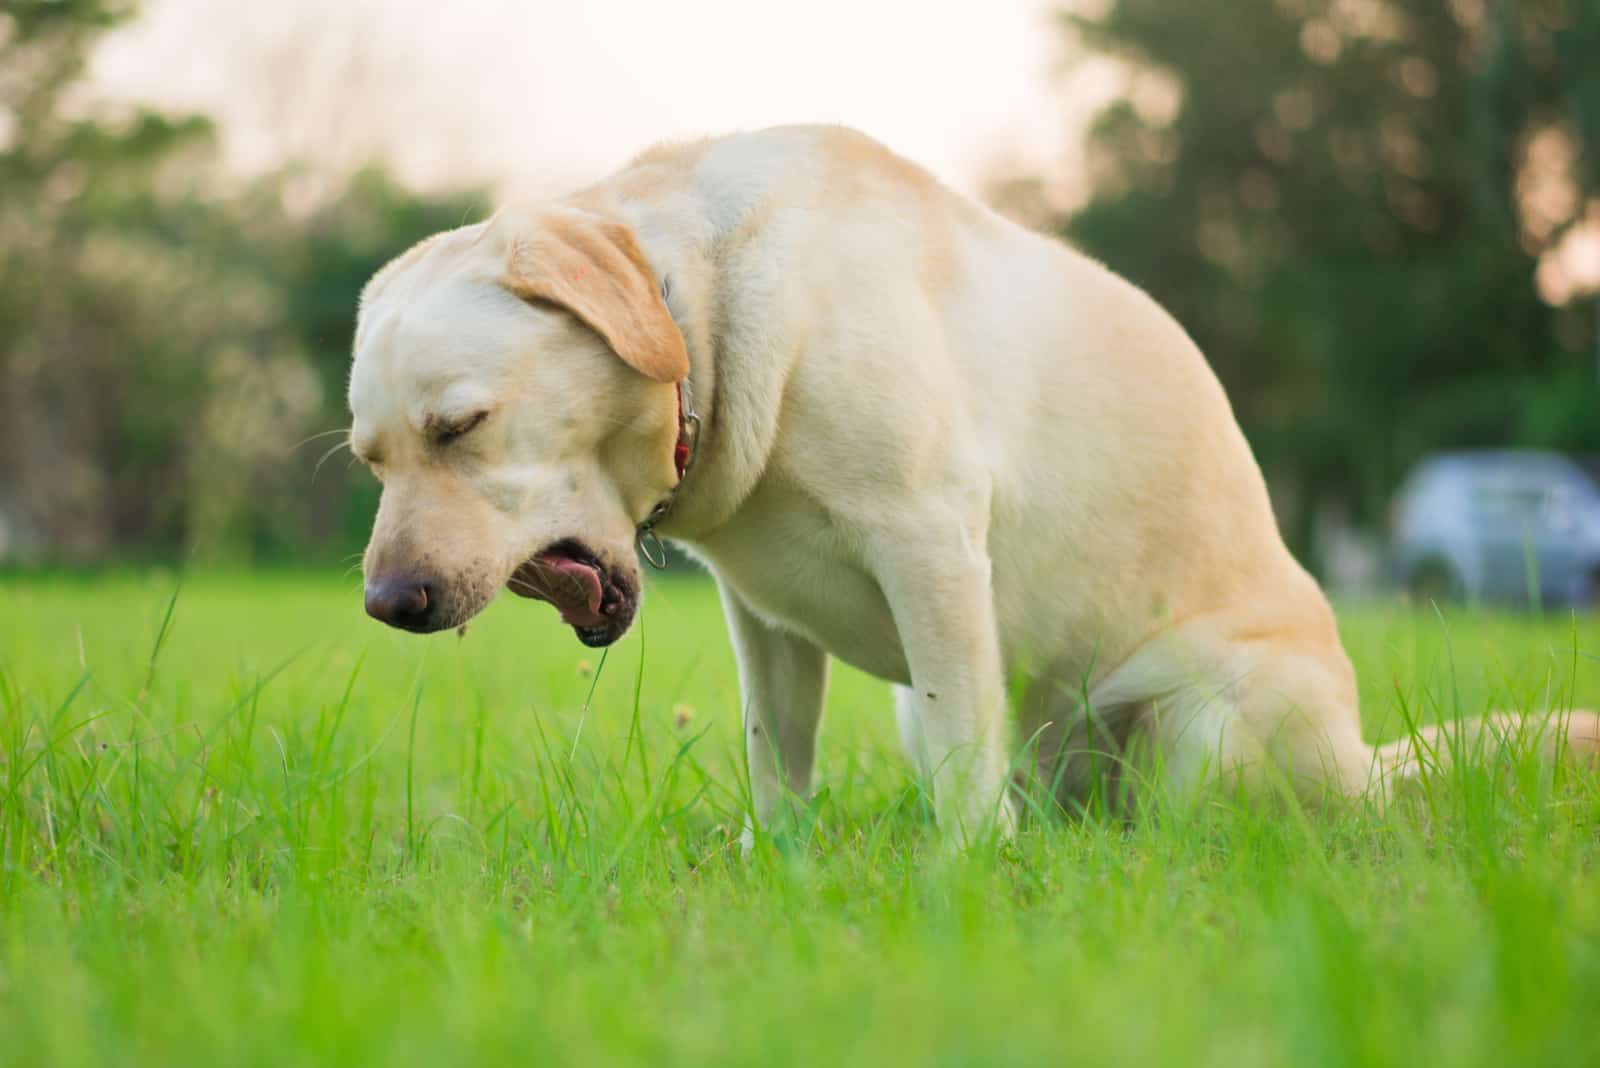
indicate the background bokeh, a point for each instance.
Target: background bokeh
{"x":1379,"y":218}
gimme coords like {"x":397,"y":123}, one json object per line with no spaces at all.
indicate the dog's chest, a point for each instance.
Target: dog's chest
{"x":797,"y":568}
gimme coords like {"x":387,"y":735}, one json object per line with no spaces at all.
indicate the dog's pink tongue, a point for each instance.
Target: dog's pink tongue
{"x":571,"y":586}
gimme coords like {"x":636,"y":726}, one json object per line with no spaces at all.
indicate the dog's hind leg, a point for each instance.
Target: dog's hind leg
{"x":1254,"y":716}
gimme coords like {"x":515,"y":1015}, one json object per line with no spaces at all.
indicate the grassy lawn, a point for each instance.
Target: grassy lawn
{"x":293,"y":837}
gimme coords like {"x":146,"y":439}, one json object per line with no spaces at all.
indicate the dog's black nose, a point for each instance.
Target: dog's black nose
{"x":403,"y":602}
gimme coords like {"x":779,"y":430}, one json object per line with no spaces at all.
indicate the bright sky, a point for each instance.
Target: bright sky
{"x":539,"y":95}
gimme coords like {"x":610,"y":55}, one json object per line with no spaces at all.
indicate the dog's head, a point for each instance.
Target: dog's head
{"x":513,"y":389}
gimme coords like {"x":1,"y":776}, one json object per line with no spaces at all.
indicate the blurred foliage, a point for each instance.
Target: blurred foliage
{"x":170,"y":334}
{"x":1346,"y":203}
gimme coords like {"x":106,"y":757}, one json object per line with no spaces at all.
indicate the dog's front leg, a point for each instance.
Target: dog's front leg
{"x":783,"y":681}
{"x":937,"y":581}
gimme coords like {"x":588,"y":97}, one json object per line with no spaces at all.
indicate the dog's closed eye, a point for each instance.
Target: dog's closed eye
{"x":444,"y":435}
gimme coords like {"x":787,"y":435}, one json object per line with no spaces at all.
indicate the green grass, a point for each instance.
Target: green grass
{"x":268,"y":831}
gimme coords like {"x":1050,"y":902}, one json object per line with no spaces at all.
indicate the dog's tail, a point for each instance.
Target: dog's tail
{"x":1571,"y":737}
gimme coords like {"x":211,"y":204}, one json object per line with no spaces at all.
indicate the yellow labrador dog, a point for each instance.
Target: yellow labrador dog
{"x":899,"y":429}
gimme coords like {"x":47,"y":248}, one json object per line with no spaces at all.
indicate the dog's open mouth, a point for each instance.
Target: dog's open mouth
{"x":595,"y":601}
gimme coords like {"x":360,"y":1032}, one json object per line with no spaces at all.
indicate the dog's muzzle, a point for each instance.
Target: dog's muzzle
{"x":598,"y":602}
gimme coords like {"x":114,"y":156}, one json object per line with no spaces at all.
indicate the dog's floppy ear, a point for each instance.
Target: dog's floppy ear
{"x":593,"y":268}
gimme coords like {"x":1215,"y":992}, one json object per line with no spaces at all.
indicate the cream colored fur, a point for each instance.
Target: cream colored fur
{"x":939,"y":447}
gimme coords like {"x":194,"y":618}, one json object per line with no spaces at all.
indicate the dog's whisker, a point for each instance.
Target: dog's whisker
{"x":515,"y":583}
{"x":314,"y":437}
{"x":324,"y":458}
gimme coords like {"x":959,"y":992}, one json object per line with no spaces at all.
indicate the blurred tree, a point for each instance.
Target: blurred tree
{"x":1336,"y":198}
{"x":169,"y":335}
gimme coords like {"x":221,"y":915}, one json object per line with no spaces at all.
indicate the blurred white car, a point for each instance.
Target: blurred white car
{"x":1518,"y":526}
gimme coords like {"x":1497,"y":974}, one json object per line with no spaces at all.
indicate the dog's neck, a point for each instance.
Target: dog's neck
{"x":683,"y":253}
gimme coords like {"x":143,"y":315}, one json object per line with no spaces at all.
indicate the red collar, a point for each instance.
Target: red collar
{"x":683,"y":451}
